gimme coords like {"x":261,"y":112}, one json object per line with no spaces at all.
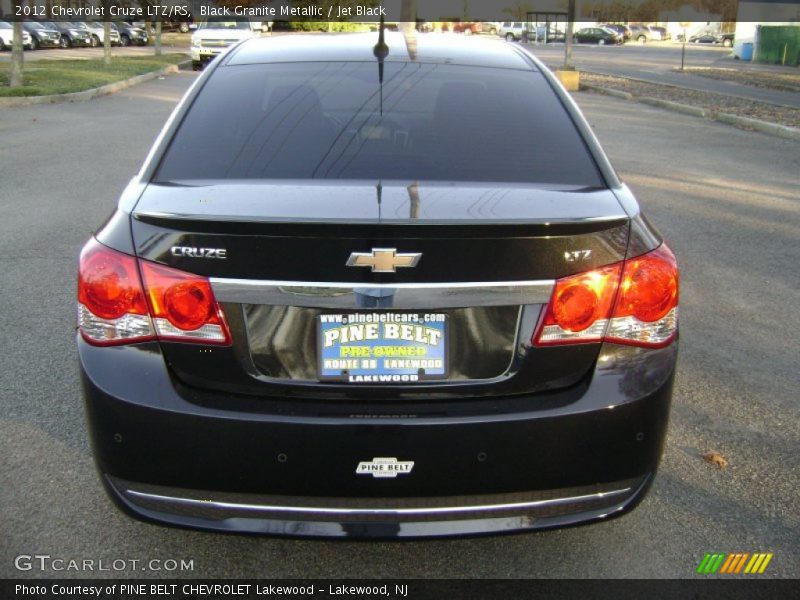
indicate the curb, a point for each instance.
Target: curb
{"x":782,"y":131}
{"x":82,"y":96}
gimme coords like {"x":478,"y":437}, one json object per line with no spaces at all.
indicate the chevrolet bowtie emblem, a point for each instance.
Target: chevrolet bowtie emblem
{"x":384,"y":260}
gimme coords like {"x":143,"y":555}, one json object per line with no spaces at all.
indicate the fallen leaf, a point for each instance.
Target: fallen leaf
{"x":715,"y":458}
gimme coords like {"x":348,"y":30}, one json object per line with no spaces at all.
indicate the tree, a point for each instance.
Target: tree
{"x":106,"y":33}
{"x":106,"y":43}
{"x":15,"y":76}
{"x":158,"y":38}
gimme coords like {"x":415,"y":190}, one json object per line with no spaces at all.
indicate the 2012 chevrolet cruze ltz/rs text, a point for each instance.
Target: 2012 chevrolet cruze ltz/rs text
{"x":377,"y":287}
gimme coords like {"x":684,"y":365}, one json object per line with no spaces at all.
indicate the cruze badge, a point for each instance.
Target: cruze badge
{"x":385,"y":467}
{"x":192,"y":252}
{"x":384,"y":260}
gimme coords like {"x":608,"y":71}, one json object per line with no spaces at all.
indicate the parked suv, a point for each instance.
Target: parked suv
{"x":214,"y":37}
{"x":640,"y":33}
{"x":41,"y":35}
{"x":513,"y":31}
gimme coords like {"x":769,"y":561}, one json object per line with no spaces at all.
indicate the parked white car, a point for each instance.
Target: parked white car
{"x":7,"y":36}
{"x":212,"y":38}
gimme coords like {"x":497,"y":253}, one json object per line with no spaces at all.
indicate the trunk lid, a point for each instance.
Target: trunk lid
{"x":489,"y":255}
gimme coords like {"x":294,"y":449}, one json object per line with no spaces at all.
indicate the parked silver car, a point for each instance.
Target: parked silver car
{"x":98,"y":33}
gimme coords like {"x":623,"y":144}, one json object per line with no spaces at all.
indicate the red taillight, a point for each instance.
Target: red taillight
{"x":111,"y":304}
{"x":634,"y":302}
{"x":183,"y":305}
{"x":579,"y":307}
{"x":649,"y":288}
{"x":108,"y":282}
{"x":646,"y":312}
{"x":115,"y":308}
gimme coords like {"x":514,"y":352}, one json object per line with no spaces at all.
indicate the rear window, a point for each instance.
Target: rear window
{"x":429,"y":122}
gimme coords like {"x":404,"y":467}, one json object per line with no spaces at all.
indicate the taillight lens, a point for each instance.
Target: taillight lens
{"x":115,"y":308}
{"x":111,"y":304}
{"x":579,"y":308}
{"x":183,"y":305}
{"x":646,"y":312}
{"x":635,"y":302}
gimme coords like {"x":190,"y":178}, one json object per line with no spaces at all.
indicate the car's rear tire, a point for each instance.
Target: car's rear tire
{"x":493,"y":31}
{"x":34,"y":43}
{"x":601,"y":42}
{"x":65,"y":42}
{"x":509,"y":37}
{"x":468,"y":31}
{"x":124,"y":40}
{"x":726,"y":43}
{"x":183,"y":28}
{"x":95,"y":41}
{"x":641,"y":39}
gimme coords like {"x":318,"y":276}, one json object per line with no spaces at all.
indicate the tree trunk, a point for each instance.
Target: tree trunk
{"x":15,"y":76}
{"x":158,"y":38}
{"x":106,"y":43}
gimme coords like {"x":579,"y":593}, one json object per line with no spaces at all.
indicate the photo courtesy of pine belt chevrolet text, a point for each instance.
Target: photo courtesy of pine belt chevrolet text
{"x":377,"y":285}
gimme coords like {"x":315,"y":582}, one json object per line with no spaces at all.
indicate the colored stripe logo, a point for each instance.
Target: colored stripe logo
{"x":735,"y":563}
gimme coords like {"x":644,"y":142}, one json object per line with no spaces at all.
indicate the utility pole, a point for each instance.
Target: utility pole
{"x":684,"y":24}
{"x":568,"y":35}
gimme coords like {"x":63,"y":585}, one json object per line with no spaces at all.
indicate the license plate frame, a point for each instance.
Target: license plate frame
{"x":424,"y":358}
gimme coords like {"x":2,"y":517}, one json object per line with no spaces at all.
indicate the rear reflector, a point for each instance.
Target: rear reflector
{"x":115,"y":308}
{"x":635,"y":302}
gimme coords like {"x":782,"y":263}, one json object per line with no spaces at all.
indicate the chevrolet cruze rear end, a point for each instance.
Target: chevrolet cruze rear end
{"x":377,"y":289}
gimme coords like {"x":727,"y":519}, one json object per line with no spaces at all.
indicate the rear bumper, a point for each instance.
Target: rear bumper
{"x":378,"y":517}
{"x":172,"y":455}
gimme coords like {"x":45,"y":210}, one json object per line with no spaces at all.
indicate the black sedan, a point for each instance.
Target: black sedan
{"x":128,"y":34}
{"x":42,"y":36}
{"x":322,"y":308}
{"x":598,"y":35}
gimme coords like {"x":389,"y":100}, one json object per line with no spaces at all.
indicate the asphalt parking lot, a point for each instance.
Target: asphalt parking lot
{"x":725,"y":198}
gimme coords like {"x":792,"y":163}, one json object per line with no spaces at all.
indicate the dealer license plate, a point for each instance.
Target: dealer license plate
{"x":382,"y":347}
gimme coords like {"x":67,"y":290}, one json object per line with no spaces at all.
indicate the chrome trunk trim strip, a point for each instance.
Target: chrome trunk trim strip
{"x":415,"y":296}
